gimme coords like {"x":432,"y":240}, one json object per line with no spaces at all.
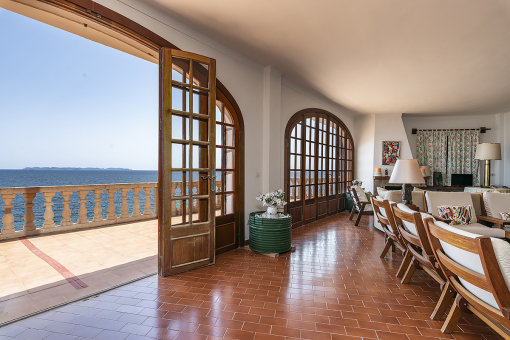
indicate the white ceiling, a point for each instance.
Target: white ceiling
{"x":372,"y":56}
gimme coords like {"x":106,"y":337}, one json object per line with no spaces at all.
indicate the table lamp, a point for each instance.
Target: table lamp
{"x":407,"y":172}
{"x":486,"y":152}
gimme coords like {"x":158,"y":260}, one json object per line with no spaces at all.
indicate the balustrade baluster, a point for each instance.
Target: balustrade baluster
{"x":156,"y":200}
{"x":29,"y":212}
{"x":147,"y":206}
{"x":66,"y":213}
{"x":136,"y":204}
{"x":8,"y":219}
{"x":111,"y":205}
{"x":124,"y":206}
{"x":48,"y":213}
{"x":98,"y":216}
{"x":82,"y":213}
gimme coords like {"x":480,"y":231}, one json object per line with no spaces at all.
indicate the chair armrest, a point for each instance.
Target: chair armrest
{"x":498,"y":221}
{"x":493,"y":220}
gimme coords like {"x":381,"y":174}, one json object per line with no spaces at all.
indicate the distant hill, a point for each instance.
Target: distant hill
{"x":76,"y":169}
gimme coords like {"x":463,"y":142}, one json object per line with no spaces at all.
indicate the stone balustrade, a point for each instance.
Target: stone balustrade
{"x":97,"y":215}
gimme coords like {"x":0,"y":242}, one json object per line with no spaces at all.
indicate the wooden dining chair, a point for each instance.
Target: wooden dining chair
{"x":477,"y":268}
{"x":383,"y":212}
{"x":410,"y":224}
{"x":362,"y":207}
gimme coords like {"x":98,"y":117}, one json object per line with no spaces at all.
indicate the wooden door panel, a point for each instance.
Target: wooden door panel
{"x":181,"y":254}
{"x":341,"y":204}
{"x":322,"y":208}
{"x":297,"y":216}
{"x":310,"y":211}
{"x":332,"y":206}
{"x":225,"y":236}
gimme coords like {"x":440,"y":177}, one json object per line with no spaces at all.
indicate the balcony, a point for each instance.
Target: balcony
{"x":61,"y":243}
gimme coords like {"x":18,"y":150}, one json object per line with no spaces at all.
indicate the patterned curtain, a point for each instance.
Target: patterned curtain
{"x":431,"y":151}
{"x":461,"y":154}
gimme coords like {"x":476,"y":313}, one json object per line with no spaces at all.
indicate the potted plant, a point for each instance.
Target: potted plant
{"x":272,"y":200}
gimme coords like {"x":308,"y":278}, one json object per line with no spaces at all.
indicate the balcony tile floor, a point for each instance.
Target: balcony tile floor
{"x":99,"y":258}
{"x":334,"y":286}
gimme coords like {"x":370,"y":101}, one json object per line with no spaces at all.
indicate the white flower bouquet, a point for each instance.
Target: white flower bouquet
{"x":357,"y":182}
{"x":273,"y":198}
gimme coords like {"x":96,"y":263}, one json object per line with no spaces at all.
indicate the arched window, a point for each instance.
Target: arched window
{"x":319,"y":165}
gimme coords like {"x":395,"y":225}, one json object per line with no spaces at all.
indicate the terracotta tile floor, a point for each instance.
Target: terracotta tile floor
{"x":100,"y":258}
{"x":334,"y":286}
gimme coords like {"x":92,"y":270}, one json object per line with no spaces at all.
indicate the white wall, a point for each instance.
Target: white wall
{"x":495,"y":135}
{"x":266,"y":98}
{"x":389,"y":127}
{"x":364,"y":142}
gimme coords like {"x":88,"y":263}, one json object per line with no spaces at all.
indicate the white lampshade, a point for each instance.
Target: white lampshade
{"x":407,"y":171}
{"x":486,"y":151}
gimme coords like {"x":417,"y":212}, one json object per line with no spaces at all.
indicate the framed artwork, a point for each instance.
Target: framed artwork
{"x":390,"y":153}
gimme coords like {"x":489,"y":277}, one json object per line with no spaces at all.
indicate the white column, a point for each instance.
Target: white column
{"x":271,"y":121}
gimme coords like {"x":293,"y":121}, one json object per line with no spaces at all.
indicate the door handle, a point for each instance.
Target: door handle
{"x":212,"y":177}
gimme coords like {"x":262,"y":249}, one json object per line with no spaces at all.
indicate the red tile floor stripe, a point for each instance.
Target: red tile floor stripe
{"x":70,"y":277}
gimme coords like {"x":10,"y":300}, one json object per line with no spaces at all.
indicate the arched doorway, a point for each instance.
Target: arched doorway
{"x":113,"y":29}
{"x":319,"y":165}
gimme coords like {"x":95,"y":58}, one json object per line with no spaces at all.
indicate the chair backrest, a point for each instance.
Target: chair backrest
{"x":359,"y":193}
{"x":419,"y":199}
{"x":495,"y":203}
{"x":412,"y":223}
{"x":474,"y":264}
{"x":438,"y":198}
{"x":383,"y":212}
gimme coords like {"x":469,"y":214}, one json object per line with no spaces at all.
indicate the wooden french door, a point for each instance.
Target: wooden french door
{"x":228,"y":165}
{"x":318,"y":166}
{"x":187,"y":171}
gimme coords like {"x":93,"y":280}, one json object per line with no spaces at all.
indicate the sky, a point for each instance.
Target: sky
{"x":66,"y":101}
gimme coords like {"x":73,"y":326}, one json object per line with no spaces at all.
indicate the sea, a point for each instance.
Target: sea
{"x":37,"y":178}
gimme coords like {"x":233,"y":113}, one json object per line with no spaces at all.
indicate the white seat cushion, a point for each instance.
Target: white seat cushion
{"x":496,"y":203}
{"x":411,"y":226}
{"x":469,"y":260}
{"x":480,"y":229}
{"x":437,"y":198}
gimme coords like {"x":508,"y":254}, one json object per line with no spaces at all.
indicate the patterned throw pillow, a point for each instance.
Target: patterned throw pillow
{"x":457,"y":214}
{"x":505,"y":215}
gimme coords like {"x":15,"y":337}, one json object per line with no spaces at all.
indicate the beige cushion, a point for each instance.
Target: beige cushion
{"x":411,"y":226}
{"x":394,"y":196}
{"x":438,"y":198}
{"x":418,"y":189}
{"x":419,"y":199}
{"x":477,"y":202}
{"x":496,"y":203}
{"x":480,"y":229}
{"x":361,"y":193}
{"x":381,"y":191}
